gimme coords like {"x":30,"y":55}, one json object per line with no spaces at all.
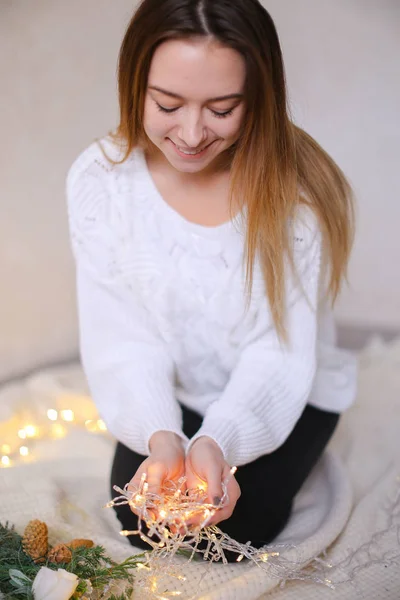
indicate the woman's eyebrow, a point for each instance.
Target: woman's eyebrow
{"x":178,"y":97}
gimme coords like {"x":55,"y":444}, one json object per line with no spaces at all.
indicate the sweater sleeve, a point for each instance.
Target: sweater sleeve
{"x":270,"y":385}
{"x":127,"y":365}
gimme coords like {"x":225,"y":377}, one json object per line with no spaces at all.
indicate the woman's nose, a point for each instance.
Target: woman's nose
{"x":192,"y":132}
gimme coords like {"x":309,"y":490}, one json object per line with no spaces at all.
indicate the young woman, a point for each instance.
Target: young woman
{"x":211,"y":235}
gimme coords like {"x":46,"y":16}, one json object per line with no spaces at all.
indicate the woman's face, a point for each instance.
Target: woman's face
{"x":194,"y":103}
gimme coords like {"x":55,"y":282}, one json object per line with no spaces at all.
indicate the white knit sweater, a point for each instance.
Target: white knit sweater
{"x":163,"y":318}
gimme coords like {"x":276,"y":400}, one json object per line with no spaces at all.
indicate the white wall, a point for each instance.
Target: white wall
{"x":57,"y":66}
{"x":342,"y":61}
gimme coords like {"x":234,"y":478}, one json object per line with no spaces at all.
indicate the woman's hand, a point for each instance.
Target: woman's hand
{"x":206,"y":467}
{"x":165,"y":463}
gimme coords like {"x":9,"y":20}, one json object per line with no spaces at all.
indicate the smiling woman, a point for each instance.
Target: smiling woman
{"x":193,"y":115}
{"x":207,"y":339}
{"x":188,"y":120}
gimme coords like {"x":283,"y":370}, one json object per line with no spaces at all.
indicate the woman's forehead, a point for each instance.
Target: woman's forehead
{"x":197,"y":69}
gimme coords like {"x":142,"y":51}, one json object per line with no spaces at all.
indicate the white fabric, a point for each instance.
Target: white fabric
{"x":68,"y":487}
{"x":163,"y":317}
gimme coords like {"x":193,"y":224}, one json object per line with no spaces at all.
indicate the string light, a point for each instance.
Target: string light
{"x":49,"y":423}
{"x":58,"y":431}
{"x":67,"y":415}
{"x":101,"y":425}
{"x":52,"y":414}
{"x":166,"y":516}
{"x":31,"y":431}
{"x":170,"y":515}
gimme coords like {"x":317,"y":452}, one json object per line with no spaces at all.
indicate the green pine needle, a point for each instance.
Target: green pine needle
{"x":91,"y":564}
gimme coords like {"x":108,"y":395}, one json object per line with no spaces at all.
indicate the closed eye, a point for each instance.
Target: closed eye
{"x":219,"y":115}
{"x":166,"y":110}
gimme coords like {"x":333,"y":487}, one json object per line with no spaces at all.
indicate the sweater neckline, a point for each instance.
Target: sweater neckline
{"x":216,"y":232}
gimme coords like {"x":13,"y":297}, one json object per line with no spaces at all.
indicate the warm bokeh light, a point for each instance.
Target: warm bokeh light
{"x":31,"y":431}
{"x":67,"y":415}
{"x":52,"y":414}
{"x":58,"y":431}
{"x":49,"y":423}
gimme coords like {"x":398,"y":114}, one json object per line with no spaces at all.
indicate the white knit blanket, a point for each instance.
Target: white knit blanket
{"x":349,"y":505}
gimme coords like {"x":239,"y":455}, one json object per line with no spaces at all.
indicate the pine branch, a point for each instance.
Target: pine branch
{"x":91,"y":564}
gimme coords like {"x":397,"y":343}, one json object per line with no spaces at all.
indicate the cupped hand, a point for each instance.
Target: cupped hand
{"x":207,"y":468}
{"x":165,"y":463}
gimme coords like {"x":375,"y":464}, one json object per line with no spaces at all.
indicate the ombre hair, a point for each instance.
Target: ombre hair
{"x":275,"y":165}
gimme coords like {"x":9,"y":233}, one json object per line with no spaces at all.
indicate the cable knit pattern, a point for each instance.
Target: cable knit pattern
{"x":163,"y":318}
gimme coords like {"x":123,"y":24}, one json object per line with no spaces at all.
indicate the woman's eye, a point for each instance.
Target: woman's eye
{"x":166,"y":110}
{"x":217,"y":114}
{"x":221,"y":115}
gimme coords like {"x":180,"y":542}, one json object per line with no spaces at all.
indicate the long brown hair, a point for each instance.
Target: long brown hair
{"x":273,"y":159}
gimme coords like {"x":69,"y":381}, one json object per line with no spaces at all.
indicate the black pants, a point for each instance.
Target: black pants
{"x":268,"y":484}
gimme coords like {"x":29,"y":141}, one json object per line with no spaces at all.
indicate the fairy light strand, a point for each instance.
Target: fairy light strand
{"x":166,"y":516}
{"x":21,"y":441}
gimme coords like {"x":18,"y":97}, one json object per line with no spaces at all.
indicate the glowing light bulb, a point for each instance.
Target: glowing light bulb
{"x":24,"y":451}
{"x":5,"y":461}
{"x":52,"y":414}
{"x":67,"y":415}
{"x":91,"y":425}
{"x":31,"y":431}
{"x":6,"y":449}
{"x":101,"y":425}
{"x":58,"y":431}
{"x":139,"y":501}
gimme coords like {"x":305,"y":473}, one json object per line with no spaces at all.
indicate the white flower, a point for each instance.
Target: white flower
{"x":54,"y":585}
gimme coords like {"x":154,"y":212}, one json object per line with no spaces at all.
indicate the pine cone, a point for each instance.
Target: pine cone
{"x":35,"y":540}
{"x":80,"y":543}
{"x":60,"y":554}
